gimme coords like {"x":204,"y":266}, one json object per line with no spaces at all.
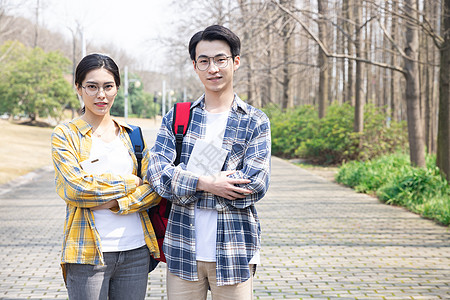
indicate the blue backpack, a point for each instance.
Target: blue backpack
{"x":159,"y":214}
{"x":137,"y":140}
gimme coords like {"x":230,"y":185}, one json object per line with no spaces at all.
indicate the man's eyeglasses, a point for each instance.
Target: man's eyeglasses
{"x":220,"y":61}
{"x":93,"y":89}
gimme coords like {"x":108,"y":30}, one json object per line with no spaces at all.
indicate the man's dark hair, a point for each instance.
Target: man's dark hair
{"x":214,"y":33}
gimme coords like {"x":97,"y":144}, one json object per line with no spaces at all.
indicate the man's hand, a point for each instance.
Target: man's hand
{"x":223,"y":186}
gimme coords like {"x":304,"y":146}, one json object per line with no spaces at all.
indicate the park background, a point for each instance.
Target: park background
{"x":362,"y":86}
{"x":357,"y":91}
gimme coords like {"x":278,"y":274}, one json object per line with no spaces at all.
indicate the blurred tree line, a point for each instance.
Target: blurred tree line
{"x":34,"y":82}
{"x":37,"y":67}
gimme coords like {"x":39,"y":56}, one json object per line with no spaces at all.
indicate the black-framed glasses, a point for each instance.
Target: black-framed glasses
{"x":220,"y":61}
{"x":110,"y":90}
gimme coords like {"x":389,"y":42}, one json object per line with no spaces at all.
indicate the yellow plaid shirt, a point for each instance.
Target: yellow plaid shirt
{"x":71,"y":144}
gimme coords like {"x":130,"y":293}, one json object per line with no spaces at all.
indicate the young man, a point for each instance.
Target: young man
{"x":213,"y":236}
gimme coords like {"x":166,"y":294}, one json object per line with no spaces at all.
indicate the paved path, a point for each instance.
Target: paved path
{"x":320,"y":241}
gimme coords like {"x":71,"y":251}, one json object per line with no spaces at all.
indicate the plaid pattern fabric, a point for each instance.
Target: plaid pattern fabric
{"x":71,"y":144}
{"x":247,"y":140}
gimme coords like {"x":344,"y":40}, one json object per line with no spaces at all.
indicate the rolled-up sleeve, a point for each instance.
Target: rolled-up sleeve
{"x":172,"y":182}
{"x":256,"y":165}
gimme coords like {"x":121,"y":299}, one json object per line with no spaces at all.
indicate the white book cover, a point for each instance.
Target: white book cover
{"x":206,"y":158}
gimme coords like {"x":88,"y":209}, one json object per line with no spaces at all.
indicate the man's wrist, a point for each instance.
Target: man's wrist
{"x":202,"y":183}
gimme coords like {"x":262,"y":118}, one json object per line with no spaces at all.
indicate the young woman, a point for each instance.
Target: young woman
{"x":108,"y":237}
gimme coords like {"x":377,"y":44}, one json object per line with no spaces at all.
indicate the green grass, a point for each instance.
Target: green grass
{"x":394,"y":181}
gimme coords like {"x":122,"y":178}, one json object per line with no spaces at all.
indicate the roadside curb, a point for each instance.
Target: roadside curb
{"x":24,"y":179}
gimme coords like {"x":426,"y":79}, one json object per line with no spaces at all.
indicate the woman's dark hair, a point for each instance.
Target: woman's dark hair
{"x":214,"y":33}
{"x":96,"y":61}
{"x":93,"y":62}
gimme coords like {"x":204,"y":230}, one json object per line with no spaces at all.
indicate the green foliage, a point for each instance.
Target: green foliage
{"x":378,"y":138}
{"x":394,"y":181}
{"x":289,"y":129}
{"x":140,"y":103}
{"x":331,"y":140}
{"x":33,"y":82}
{"x":370,"y":175}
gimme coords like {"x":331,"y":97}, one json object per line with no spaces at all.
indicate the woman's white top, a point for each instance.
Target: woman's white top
{"x":117,"y":232}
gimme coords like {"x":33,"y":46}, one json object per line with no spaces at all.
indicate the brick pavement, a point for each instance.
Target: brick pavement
{"x":320,"y":241}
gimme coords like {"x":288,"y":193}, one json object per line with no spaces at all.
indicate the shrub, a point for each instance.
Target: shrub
{"x":394,"y":181}
{"x":369,"y":176}
{"x":288,"y":129}
{"x":331,"y":140}
{"x":381,"y":137}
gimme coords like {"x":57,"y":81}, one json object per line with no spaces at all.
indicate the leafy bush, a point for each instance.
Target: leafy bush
{"x":394,"y":181}
{"x":380,"y":137}
{"x":331,"y":140}
{"x":370,"y":175}
{"x":288,"y":129}
{"x":33,"y":82}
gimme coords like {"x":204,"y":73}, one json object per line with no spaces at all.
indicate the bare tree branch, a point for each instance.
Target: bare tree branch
{"x":425,"y":25}
{"x":388,"y":36}
{"x":336,"y":55}
{"x":11,"y":47}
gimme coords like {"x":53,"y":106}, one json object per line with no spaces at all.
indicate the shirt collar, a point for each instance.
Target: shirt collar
{"x":237,"y":104}
{"x":84,"y":126}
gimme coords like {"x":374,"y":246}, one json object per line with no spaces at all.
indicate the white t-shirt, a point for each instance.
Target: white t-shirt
{"x":206,"y":219}
{"x":117,"y":232}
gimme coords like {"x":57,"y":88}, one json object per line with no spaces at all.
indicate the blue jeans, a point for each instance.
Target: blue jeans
{"x":124,"y":276}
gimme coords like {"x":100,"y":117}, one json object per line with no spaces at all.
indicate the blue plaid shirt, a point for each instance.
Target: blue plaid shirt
{"x":247,"y":140}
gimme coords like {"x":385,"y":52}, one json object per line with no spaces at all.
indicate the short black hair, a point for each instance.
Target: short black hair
{"x":96,"y":61}
{"x":214,"y":33}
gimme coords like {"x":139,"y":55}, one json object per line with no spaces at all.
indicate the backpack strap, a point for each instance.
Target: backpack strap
{"x":137,"y":140}
{"x":181,"y":121}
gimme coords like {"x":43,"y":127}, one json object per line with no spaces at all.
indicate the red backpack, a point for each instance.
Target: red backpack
{"x":159,"y":214}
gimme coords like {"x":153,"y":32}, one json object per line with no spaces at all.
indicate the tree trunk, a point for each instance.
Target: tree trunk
{"x":415,"y":125}
{"x":428,"y":97}
{"x":428,"y":106}
{"x":287,"y":99}
{"x":385,"y":87}
{"x":268,"y":97}
{"x":394,"y":99}
{"x":250,"y":40}
{"x":348,"y":7}
{"x":443,"y":139}
{"x":323,"y":62}
{"x":359,"y":99}
{"x":368,"y":38}
{"x":36,"y":29}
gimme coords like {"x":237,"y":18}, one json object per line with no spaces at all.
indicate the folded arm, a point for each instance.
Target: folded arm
{"x":84,"y":190}
{"x":172,"y":182}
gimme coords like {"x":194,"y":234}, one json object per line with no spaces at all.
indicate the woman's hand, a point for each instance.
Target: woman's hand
{"x":223,"y":186}
{"x":138,"y":180}
{"x":107,"y":205}
{"x":113,"y":203}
